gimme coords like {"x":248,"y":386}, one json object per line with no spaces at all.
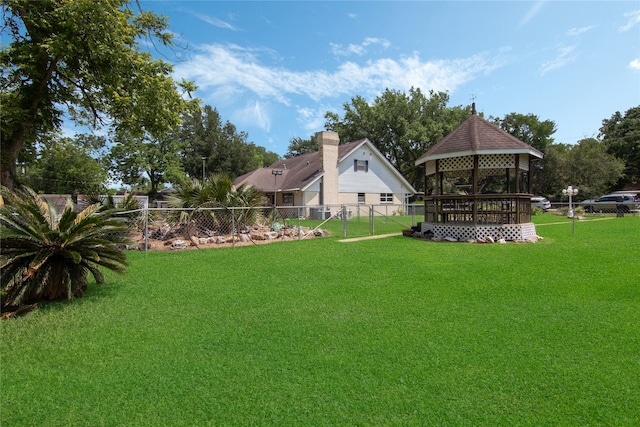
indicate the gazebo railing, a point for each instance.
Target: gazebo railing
{"x":478,"y":209}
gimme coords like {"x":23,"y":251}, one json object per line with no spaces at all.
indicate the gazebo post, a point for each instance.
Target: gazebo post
{"x":474,"y":185}
{"x":529,"y":183}
{"x":517,"y":173}
{"x":508,"y":175}
{"x":439,"y":178}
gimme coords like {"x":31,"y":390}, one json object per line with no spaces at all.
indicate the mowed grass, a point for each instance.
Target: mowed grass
{"x":392,"y":331}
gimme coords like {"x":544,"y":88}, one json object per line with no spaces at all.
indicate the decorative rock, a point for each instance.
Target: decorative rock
{"x":179,"y":244}
{"x":204,"y":240}
{"x":220,"y":240}
{"x":244,"y":237}
{"x":450,"y":239}
{"x":502,"y":241}
{"x":489,"y":239}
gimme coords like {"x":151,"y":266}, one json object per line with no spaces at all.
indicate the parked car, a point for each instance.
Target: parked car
{"x":616,"y":202}
{"x":541,"y":202}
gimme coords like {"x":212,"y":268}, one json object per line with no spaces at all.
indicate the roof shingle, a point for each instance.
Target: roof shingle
{"x":477,"y":136}
{"x":297,"y":172}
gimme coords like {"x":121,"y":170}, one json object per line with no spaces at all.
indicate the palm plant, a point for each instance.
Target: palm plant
{"x":202,"y":198}
{"x":46,"y":256}
{"x":128,"y":206}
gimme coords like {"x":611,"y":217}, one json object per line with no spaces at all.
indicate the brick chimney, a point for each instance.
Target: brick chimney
{"x":328,"y":149}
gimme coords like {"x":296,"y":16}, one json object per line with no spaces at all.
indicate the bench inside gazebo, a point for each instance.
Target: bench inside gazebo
{"x":479,"y":183}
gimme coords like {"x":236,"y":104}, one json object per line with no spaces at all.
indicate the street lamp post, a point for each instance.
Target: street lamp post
{"x":570,"y":191}
{"x":275,"y":173}
{"x":203,"y":159}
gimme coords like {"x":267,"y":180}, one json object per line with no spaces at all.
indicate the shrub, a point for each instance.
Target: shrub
{"x":217,"y":192}
{"x":46,"y":256}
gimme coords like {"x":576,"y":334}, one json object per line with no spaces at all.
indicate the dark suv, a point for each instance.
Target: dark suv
{"x":623,"y":202}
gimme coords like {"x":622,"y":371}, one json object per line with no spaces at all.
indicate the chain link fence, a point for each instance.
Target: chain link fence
{"x":590,"y":209}
{"x":171,"y":229}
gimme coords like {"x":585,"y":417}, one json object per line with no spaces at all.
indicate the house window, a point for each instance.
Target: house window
{"x":360,"y":197}
{"x":386,"y":197}
{"x":287,"y":198}
{"x":361,"y":165}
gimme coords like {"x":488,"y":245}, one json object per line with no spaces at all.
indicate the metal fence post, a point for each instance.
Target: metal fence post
{"x":146,"y":231}
{"x":344,"y":221}
{"x":299,"y":213}
{"x":233,"y":228}
{"x":371,"y":224}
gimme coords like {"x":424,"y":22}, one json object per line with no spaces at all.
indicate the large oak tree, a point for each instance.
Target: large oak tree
{"x":537,"y":133}
{"x":403,"y":126}
{"x":621,"y":136}
{"x":82,"y":60}
{"x":224,"y":149}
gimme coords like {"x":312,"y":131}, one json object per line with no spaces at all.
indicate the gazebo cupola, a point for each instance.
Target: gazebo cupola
{"x":477,"y":184}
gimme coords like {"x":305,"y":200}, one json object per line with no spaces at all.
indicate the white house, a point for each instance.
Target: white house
{"x":335,"y":175}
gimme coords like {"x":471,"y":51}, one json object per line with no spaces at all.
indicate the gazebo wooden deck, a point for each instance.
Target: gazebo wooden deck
{"x":480,"y":184}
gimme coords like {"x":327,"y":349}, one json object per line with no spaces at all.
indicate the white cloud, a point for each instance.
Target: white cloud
{"x":563,"y":58}
{"x":216,"y":22}
{"x":231,"y":71}
{"x":635,"y":64}
{"x":312,"y":119}
{"x":253,"y":114}
{"x":531,"y":13}
{"x":577,"y":31}
{"x":357,"y":49}
{"x":633,"y":20}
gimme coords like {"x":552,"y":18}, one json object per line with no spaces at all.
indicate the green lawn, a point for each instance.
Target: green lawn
{"x":393,"y":331}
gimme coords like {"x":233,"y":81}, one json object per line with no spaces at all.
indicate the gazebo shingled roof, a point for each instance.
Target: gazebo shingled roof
{"x":477,"y":136}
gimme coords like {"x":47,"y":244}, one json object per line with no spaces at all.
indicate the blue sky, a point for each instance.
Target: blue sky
{"x":274,"y":68}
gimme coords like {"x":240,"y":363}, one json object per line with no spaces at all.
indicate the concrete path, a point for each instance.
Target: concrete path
{"x":379,"y":236}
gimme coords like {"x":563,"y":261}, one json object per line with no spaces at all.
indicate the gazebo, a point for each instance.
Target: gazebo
{"x":478,"y":184}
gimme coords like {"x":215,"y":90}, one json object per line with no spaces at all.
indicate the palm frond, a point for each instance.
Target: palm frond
{"x":44,"y":256}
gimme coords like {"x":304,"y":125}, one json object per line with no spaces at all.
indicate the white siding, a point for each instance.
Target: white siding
{"x":378,"y":179}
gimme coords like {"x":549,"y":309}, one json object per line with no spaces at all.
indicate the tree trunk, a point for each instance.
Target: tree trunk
{"x":11,"y":146}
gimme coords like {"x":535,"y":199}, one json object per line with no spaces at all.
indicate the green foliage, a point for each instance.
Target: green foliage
{"x":224,"y":150}
{"x":217,"y":191}
{"x":66,"y":166}
{"x":49,"y":256}
{"x":585,"y":165}
{"x":127,"y":208}
{"x":83,"y":58}
{"x":621,"y":135}
{"x":530,"y":129}
{"x":299,"y":146}
{"x":593,"y":170}
{"x":137,"y":160}
{"x":402,"y":126}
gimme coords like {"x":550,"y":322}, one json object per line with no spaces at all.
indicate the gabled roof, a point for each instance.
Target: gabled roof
{"x":477,"y":136}
{"x":299,"y":172}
